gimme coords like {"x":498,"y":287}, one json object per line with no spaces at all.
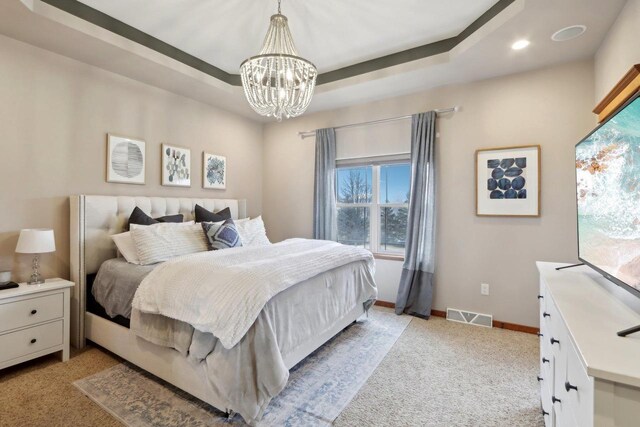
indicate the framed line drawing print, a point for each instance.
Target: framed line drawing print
{"x":126,"y":159}
{"x":508,"y":181}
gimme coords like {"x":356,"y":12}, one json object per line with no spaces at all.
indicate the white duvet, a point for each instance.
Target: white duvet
{"x":222,"y":292}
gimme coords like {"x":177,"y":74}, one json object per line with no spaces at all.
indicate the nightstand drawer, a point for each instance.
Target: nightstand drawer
{"x":31,"y":340}
{"x":30,"y":311}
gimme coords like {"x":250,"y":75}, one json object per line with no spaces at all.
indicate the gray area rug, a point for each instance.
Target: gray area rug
{"x":319,"y":387}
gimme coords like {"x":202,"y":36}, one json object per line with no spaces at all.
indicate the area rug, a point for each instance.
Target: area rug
{"x":319,"y":387}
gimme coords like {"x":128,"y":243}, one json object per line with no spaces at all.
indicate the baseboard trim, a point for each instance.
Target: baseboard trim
{"x":385,"y":304}
{"x":496,"y":323}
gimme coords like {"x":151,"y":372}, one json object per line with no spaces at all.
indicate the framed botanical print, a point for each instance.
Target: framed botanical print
{"x":176,"y":166}
{"x":125,"y":160}
{"x":508,"y":181}
{"x":214,"y":171}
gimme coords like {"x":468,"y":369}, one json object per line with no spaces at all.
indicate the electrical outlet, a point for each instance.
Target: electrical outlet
{"x":484,"y":288}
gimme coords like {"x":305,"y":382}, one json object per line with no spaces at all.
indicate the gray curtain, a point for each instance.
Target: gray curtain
{"x":324,"y":194}
{"x":416,"y":283}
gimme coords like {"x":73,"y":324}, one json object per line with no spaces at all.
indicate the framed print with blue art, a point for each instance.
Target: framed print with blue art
{"x":508,"y":181}
{"x":176,"y":166}
{"x":214,"y":171}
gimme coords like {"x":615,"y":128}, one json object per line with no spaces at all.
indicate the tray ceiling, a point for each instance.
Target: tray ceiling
{"x":224,"y":33}
{"x":482,"y":50}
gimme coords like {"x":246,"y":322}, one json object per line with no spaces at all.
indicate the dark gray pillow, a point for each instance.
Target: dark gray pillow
{"x":221,"y":237}
{"x":203,"y":215}
{"x":139,"y":217}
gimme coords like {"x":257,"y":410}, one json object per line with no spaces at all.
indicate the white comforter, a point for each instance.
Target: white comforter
{"x":222,"y":292}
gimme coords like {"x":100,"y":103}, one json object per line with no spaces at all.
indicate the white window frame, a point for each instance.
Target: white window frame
{"x":375,"y":207}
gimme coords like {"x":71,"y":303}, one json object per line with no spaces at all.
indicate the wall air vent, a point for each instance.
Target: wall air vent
{"x":469,"y":317}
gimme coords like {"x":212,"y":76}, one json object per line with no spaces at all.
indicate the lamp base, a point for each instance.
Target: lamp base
{"x":36,"y":278}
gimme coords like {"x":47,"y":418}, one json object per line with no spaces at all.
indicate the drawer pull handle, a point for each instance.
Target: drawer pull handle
{"x":33,"y":312}
{"x":554,"y":341}
{"x":555,"y":399}
{"x":544,"y":412}
{"x":539,"y":378}
{"x":545,"y":314}
{"x":540,"y":297}
{"x":33,"y":341}
{"x":540,"y":335}
{"x":569,"y":387}
{"x":545,"y":360}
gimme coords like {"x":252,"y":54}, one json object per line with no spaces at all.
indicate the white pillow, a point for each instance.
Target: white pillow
{"x":168,"y":224}
{"x":161,"y":242}
{"x":252,"y":232}
{"x":126,"y":246}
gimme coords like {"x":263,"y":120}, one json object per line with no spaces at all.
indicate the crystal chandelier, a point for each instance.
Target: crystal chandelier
{"x":277,"y":81}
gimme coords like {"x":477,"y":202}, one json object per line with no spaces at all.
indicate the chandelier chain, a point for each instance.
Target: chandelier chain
{"x":279,"y":7}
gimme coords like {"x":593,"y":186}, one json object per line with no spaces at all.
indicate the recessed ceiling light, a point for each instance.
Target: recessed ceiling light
{"x":568,"y":33}
{"x":520,"y":44}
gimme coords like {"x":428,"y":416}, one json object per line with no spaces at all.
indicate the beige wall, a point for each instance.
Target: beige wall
{"x":54,"y":116}
{"x":549,"y":107}
{"x":619,"y":50}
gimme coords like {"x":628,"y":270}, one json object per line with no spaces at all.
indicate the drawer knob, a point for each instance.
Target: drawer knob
{"x":544,"y":412}
{"x":554,"y":341}
{"x":545,"y":314}
{"x":555,"y":399}
{"x":540,"y":297}
{"x":539,"y":378}
{"x":540,"y":335}
{"x":545,"y":360}
{"x":33,"y":340}
{"x":569,"y":387}
{"x":33,"y":312}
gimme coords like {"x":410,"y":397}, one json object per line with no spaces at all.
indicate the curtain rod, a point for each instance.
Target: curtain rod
{"x":310,"y":133}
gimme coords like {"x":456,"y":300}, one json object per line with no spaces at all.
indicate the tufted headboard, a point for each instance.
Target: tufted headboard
{"x":95,"y":218}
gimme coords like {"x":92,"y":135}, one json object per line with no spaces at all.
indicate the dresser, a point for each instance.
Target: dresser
{"x":34,"y":321}
{"x":588,"y":375}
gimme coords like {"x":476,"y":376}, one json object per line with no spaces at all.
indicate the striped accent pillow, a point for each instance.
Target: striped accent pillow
{"x":161,"y":242}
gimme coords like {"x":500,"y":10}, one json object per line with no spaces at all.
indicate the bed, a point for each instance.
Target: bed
{"x":297,"y":332}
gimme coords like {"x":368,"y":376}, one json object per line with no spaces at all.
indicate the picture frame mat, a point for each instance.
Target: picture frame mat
{"x":115,"y":180}
{"x":163,"y":165}
{"x":521,"y":208}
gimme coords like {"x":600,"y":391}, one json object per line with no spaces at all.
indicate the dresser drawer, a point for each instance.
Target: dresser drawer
{"x":581,"y":400}
{"x":30,"y":311}
{"x":31,"y":340}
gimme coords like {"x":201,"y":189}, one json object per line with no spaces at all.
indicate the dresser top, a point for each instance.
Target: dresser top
{"x":24,"y":289}
{"x":593,"y":317}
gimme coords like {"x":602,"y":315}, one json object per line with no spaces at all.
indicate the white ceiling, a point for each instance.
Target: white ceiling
{"x":380,"y":30}
{"x":330,"y":33}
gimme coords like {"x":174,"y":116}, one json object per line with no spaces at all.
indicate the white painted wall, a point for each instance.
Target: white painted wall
{"x":54,"y":117}
{"x":388,"y":278}
{"x":619,"y":50}
{"x":550,"y":107}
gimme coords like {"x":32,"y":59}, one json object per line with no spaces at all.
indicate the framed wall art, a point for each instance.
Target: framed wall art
{"x":125,"y":160}
{"x":508,"y":181}
{"x":214,"y":171}
{"x":176,"y":166}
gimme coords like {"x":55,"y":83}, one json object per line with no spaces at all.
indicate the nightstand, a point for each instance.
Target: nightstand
{"x":34,"y":321}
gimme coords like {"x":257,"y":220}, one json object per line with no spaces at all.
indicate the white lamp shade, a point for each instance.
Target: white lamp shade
{"x":36,"y":241}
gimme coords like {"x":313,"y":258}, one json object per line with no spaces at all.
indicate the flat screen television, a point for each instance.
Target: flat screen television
{"x":608,"y":197}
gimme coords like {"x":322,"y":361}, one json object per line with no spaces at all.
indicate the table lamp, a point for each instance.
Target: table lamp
{"x":36,"y":241}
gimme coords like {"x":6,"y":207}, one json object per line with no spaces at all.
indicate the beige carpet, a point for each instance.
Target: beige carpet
{"x":437,"y":374}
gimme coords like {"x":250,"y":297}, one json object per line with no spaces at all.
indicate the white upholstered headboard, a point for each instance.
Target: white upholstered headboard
{"x":95,"y":218}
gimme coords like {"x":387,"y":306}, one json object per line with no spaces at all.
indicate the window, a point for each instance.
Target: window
{"x":373,"y":202}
